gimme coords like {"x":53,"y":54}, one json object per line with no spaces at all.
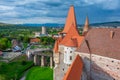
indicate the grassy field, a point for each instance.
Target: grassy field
{"x":40,"y":73}
{"x":15,"y":69}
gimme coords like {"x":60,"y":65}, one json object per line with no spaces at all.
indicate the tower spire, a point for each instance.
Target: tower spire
{"x":86,"y":25}
{"x":71,"y":18}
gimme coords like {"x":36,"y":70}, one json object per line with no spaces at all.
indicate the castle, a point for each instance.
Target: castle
{"x":94,"y":55}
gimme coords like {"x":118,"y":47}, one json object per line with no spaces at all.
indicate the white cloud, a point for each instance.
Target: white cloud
{"x":36,"y":20}
{"x":3,"y":7}
{"x":9,"y":14}
{"x":105,"y":4}
{"x":50,"y":11}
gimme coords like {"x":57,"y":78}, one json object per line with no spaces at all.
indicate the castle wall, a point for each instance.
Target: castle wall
{"x":69,"y":54}
{"x":60,"y":68}
{"x":99,"y":67}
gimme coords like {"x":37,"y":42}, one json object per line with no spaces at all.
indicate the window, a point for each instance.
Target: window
{"x":63,"y":69}
{"x":70,"y":57}
{"x":70,"y":51}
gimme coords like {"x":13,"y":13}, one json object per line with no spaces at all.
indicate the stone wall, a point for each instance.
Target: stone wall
{"x":60,"y":68}
{"x":99,"y":67}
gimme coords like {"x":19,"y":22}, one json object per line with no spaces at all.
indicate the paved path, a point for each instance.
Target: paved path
{"x":24,"y":76}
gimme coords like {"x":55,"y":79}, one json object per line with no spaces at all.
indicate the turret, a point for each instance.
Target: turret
{"x":86,"y":26}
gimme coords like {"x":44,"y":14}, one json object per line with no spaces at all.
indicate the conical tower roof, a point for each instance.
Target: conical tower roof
{"x":69,"y":39}
{"x":71,"y":18}
{"x":86,"y":26}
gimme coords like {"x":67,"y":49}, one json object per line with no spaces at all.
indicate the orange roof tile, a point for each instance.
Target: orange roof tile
{"x":80,"y":39}
{"x":55,"y":49}
{"x":70,"y":19}
{"x":71,"y":42}
{"x":34,"y":40}
{"x":75,"y":70}
{"x":72,"y":38}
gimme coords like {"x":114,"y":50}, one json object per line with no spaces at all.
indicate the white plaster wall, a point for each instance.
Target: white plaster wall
{"x":68,"y":52}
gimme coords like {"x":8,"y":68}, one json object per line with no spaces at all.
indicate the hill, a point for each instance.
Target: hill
{"x":112,"y":24}
{"x":109,"y":24}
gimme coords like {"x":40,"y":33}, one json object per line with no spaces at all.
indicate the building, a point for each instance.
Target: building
{"x":42,"y":33}
{"x":100,"y":52}
{"x":93,"y":56}
{"x":66,"y":43}
{"x":16,"y":45}
{"x":44,"y":30}
{"x":37,"y":34}
{"x":34,"y":40}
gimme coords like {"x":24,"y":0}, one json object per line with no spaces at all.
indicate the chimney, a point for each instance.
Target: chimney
{"x":111,"y":34}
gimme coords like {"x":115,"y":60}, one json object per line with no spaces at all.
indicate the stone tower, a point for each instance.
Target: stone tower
{"x":66,"y":43}
{"x":43,"y":30}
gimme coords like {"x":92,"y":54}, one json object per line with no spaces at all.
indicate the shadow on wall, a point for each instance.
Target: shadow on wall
{"x":93,"y":71}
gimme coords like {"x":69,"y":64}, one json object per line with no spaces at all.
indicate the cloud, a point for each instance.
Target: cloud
{"x":36,"y":20}
{"x":105,"y":4}
{"x":3,"y":7}
{"x":54,"y":10}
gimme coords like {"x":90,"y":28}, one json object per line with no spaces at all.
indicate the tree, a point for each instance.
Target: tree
{"x":5,"y":43}
{"x":26,"y":39}
{"x":46,"y":40}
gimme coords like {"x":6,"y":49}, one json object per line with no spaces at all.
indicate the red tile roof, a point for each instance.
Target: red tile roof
{"x":101,"y":42}
{"x":56,"y":46}
{"x":72,"y":38}
{"x":32,"y":40}
{"x":71,"y":19}
{"x":75,"y":70}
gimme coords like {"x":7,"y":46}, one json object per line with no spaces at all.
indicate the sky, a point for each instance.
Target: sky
{"x":55,"y":11}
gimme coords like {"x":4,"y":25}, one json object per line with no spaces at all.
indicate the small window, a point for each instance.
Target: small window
{"x":70,"y":57}
{"x":70,"y":51}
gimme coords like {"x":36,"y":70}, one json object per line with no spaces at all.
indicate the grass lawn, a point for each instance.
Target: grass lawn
{"x":15,"y":69}
{"x":40,"y":73}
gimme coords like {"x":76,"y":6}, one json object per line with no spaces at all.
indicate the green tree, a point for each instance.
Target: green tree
{"x":5,"y":43}
{"x":26,"y":39}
